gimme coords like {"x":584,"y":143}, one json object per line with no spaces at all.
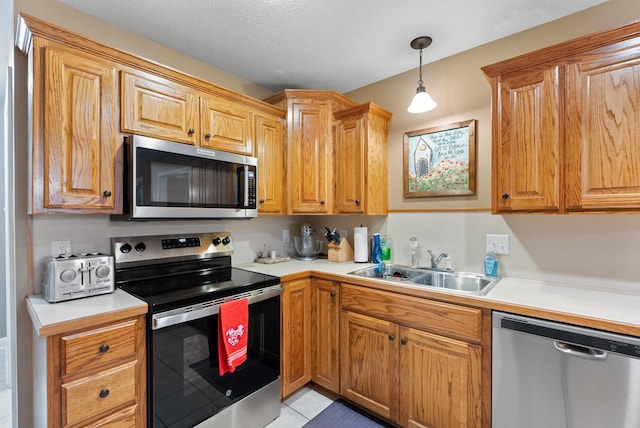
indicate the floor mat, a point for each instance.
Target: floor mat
{"x":338,"y":415}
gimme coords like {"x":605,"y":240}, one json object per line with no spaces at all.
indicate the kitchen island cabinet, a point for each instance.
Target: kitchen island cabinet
{"x":564,"y":126}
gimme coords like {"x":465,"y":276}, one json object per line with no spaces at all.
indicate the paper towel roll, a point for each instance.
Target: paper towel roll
{"x":360,"y":244}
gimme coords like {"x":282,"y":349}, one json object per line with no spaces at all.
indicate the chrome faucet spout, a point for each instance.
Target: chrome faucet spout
{"x":436,"y":260}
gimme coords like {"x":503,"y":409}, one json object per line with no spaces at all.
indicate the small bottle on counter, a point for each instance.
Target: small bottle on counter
{"x":491,"y":265}
{"x":386,"y":245}
{"x":376,"y":252}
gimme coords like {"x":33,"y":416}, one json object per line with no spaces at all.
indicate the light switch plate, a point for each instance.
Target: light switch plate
{"x":498,"y":244}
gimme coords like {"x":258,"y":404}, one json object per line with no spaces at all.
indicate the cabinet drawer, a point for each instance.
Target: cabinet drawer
{"x":93,"y":348}
{"x":98,"y":394}
{"x":429,"y":315}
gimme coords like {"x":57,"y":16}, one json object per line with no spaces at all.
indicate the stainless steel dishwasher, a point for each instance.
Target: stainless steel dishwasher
{"x":551,"y":375}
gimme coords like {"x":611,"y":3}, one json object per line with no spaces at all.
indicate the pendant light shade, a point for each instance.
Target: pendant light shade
{"x":422,"y":101}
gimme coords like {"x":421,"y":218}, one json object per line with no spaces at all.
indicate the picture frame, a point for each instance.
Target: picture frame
{"x":440,"y":161}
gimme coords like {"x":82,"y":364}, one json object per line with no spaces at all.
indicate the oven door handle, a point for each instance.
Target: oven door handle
{"x":201,"y":310}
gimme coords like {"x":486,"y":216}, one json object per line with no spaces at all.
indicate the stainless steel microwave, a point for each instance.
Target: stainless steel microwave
{"x":167,"y":180}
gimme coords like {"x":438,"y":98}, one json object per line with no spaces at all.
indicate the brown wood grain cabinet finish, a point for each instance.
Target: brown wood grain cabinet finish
{"x":565,"y":126}
{"x":325,"y":329}
{"x":96,"y":376}
{"x":86,"y":96}
{"x":336,"y":157}
{"x":77,"y":160}
{"x":271,"y":154}
{"x":416,"y":362}
{"x":296,"y":335}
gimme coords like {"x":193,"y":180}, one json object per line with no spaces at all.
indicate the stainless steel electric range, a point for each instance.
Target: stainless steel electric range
{"x":184,"y":278}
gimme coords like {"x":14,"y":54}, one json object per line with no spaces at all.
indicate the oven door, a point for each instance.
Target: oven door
{"x":185,"y":387}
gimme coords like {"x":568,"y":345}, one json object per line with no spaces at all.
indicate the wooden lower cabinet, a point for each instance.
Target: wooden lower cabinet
{"x":96,"y":377}
{"x":325,"y":327}
{"x":393,"y":365}
{"x":295,"y":362}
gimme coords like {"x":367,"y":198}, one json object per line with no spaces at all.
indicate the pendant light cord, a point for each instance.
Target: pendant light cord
{"x":420,"y":82}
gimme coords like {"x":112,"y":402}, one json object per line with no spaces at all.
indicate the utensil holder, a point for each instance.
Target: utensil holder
{"x":341,"y":252}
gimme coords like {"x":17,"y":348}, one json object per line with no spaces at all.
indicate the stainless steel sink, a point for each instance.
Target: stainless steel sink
{"x":463,"y":282}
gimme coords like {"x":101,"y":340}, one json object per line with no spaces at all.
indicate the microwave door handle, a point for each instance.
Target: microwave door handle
{"x":246,"y":186}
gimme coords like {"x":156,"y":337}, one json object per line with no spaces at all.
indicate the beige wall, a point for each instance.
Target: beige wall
{"x":462,"y":93}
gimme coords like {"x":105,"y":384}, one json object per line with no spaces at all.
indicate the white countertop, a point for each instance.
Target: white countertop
{"x":521,"y":295}
{"x":50,"y":318}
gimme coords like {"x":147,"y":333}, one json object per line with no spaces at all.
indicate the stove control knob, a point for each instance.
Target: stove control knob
{"x":67,"y":275}
{"x":217,"y":241}
{"x":102,"y":271}
{"x":126,"y":248}
{"x":140,"y":247}
{"x":226,"y":240}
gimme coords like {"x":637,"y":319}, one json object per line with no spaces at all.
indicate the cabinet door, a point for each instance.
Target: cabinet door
{"x":351,"y":171}
{"x":325,"y":334}
{"x":296,"y":335}
{"x":440,"y":381}
{"x":78,"y":162}
{"x":271,"y":175}
{"x":159,"y":108}
{"x":226,"y":126}
{"x":603,"y":131}
{"x":309,"y":158}
{"x":527,"y":151}
{"x":369,"y":363}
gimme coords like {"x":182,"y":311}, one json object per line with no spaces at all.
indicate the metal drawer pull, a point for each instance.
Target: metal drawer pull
{"x":104,"y":393}
{"x":104,"y":348}
{"x":580,"y":351}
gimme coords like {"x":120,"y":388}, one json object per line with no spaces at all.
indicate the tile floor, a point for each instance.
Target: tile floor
{"x":299,"y":408}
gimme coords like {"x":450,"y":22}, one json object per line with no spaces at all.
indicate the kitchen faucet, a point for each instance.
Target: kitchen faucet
{"x":435,"y":260}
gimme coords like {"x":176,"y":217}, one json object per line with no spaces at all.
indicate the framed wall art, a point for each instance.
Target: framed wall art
{"x":440,"y":161}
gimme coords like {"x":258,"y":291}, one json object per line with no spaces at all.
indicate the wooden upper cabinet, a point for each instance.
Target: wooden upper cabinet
{"x":77,"y":161}
{"x":269,"y":142}
{"x":361,"y":135}
{"x":158,"y":108}
{"x":527,"y":142}
{"x":336,"y":153}
{"x":603,"y":130}
{"x":226,"y":126}
{"x":565,"y":126}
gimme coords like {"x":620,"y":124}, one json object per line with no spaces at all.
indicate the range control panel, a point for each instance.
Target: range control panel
{"x":150,"y":249}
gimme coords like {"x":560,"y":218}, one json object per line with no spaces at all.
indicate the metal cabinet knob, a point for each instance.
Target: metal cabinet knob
{"x":403,"y":341}
{"x":191,"y":131}
{"x":505,"y":196}
{"x":357,"y":202}
{"x":261,"y":201}
{"x":104,"y":393}
{"x":391,"y":337}
{"x":104,"y":348}
{"x":106,"y":193}
{"x":332,"y":294}
{"x":322,"y":202}
{"x":207,"y":135}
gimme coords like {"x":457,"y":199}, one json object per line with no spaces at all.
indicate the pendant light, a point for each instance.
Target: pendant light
{"x":422,"y":101}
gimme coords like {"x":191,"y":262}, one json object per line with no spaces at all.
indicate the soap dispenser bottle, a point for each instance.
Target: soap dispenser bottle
{"x":376,"y":252}
{"x":491,"y":265}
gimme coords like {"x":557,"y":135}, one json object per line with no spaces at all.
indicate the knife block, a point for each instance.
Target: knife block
{"x":341,"y":252}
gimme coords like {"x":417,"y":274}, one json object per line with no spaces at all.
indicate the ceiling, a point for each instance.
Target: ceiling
{"x":338,"y":45}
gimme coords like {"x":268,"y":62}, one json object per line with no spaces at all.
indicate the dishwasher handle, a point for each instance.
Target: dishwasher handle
{"x":580,"y":351}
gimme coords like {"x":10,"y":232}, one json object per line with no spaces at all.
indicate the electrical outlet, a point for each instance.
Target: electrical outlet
{"x":498,"y":244}
{"x":60,"y":248}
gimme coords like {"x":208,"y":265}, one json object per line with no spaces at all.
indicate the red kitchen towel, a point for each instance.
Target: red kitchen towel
{"x":233,"y":322}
